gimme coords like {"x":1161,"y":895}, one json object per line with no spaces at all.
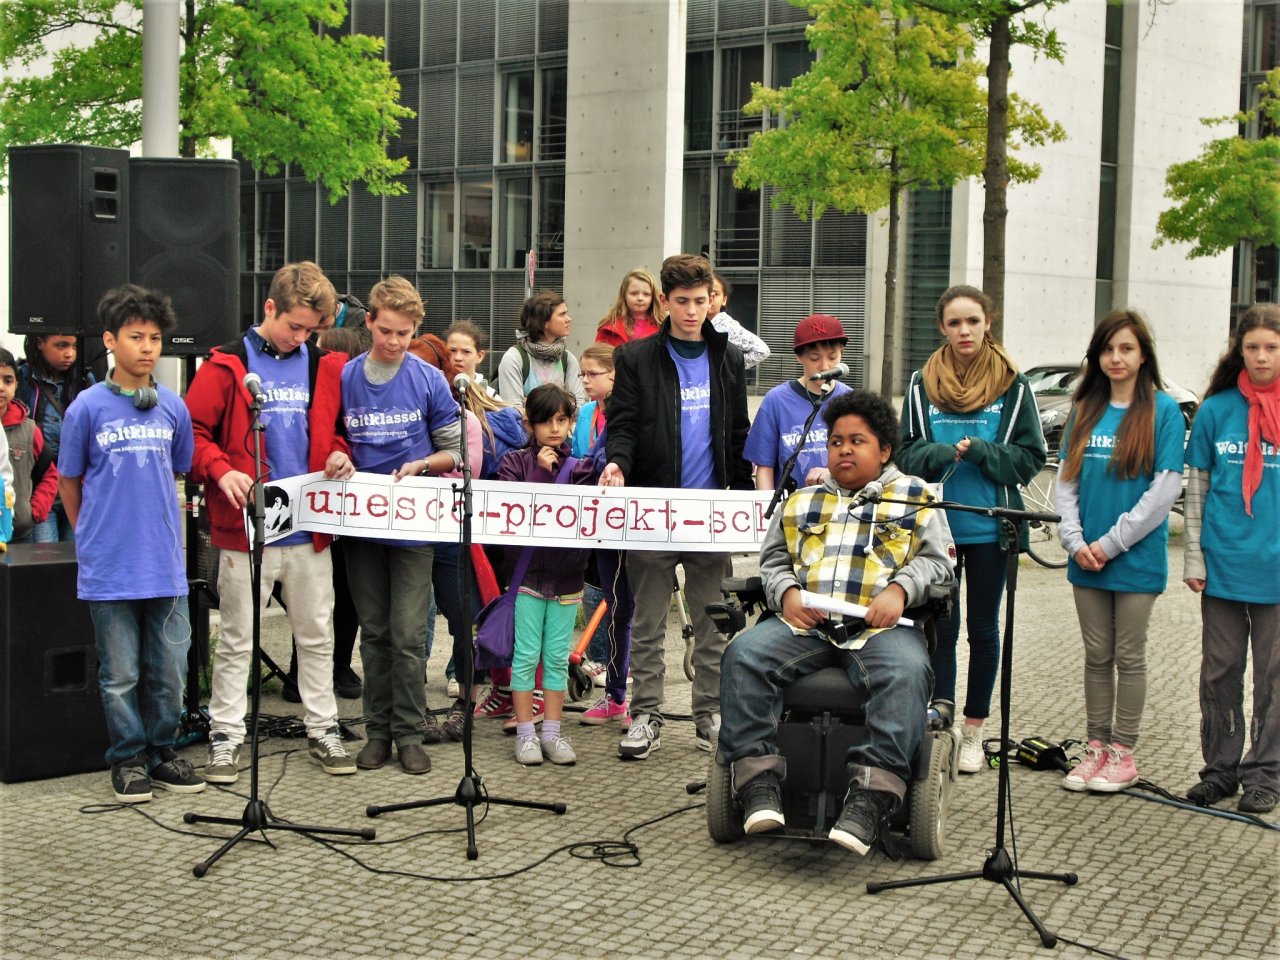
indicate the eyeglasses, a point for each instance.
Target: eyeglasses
{"x":589,"y":374}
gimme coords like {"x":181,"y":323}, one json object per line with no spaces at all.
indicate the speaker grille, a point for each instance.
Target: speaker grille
{"x":185,"y":241}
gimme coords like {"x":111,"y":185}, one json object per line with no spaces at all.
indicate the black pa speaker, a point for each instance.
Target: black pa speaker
{"x":68,"y":235}
{"x":51,"y":719}
{"x":184,"y":239}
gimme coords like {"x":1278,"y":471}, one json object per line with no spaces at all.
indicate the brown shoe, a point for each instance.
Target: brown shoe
{"x":373,"y":754}
{"x":431,"y":729}
{"x":413,"y":759}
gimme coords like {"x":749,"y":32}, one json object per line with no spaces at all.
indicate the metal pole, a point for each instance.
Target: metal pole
{"x":160,"y":46}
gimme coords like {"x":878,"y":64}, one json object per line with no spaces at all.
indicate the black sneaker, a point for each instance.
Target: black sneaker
{"x":289,"y":689}
{"x":1257,"y":800}
{"x":347,"y":683}
{"x":174,"y":774}
{"x":431,"y":728}
{"x":761,"y":801}
{"x":860,"y":822}
{"x":130,"y":782}
{"x":1208,"y":792}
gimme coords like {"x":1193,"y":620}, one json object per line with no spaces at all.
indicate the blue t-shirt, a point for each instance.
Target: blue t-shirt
{"x":287,"y":388}
{"x":775,"y":432}
{"x":129,"y":532}
{"x":968,"y":484}
{"x":389,"y":424}
{"x":1144,"y":568}
{"x":1241,"y":553}
{"x":697,"y":472}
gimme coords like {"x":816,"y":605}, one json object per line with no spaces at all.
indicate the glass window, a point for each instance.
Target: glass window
{"x":438,"y":228}
{"x":271,"y":230}
{"x":517,"y":117}
{"x":696,"y":216}
{"x":1266,"y":51}
{"x":550,"y":223}
{"x":742,"y":66}
{"x":516,"y":225}
{"x":790,"y":60}
{"x":1110,"y":104}
{"x":1107,"y":223}
{"x":737,"y":224}
{"x":551,"y":126}
{"x":698,"y":100}
{"x":477,"y":225}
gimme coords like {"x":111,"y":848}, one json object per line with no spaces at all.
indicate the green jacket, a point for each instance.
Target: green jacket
{"x":1017,"y":457}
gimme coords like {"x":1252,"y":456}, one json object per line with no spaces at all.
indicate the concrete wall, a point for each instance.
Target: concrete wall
{"x":625,"y":165}
{"x":1185,"y":68}
{"x":1182,"y":67}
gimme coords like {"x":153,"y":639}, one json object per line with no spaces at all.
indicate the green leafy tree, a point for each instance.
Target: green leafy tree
{"x":892,"y":103}
{"x":1005,"y":24}
{"x":270,"y":75}
{"x":1231,"y":191}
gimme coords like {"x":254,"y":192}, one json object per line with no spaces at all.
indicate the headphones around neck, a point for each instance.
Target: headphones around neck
{"x":144,"y":398}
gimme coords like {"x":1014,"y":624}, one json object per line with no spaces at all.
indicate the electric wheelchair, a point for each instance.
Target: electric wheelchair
{"x":821,"y":718}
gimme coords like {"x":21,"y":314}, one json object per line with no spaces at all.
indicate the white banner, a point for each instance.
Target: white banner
{"x":373,"y":506}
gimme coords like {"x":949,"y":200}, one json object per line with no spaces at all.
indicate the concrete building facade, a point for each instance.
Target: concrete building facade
{"x":595,"y":132}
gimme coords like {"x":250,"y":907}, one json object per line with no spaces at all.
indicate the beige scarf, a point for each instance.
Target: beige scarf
{"x":987,"y":378}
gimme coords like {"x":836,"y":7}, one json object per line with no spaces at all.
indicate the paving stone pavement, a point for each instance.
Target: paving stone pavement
{"x":82,"y":877}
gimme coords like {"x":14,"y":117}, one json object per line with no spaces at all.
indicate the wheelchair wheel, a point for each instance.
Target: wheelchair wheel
{"x":930,"y":800}
{"x":723,"y":822}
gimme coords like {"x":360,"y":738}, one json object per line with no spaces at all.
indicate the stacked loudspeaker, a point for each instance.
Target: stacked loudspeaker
{"x":85,"y":219}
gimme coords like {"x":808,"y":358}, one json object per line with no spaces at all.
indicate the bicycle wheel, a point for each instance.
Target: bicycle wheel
{"x":1038,"y":495}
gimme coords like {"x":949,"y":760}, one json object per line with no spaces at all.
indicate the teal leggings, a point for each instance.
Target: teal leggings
{"x":543,"y":631}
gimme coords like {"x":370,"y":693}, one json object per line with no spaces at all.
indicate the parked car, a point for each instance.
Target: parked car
{"x":1054,"y":383}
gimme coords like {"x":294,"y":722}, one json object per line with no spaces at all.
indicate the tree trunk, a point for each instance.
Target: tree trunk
{"x":1253,"y":272}
{"x":887,"y":386}
{"x":995,"y":213}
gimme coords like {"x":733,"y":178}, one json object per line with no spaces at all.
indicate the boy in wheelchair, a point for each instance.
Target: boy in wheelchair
{"x":839,"y":541}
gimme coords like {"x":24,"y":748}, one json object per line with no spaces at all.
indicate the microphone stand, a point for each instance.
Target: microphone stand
{"x":783,"y":482}
{"x":470,"y":792}
{"x":999,"y":867}
{"x":257,"y":816}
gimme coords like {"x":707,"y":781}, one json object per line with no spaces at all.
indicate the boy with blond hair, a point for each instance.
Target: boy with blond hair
{"x":300,"y":384}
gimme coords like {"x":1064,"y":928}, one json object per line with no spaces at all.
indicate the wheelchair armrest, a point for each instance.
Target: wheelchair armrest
{"x":731,"y":585}
{"x":728,"y":617}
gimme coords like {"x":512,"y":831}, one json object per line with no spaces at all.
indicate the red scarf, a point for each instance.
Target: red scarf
{"x":1264,"y":424}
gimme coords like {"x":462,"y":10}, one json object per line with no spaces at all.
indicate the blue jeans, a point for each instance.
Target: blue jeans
{"x":142,"y":666}
{"x":985,"y":564}
{"x":53,"y":528}
{"x":891,"y":678}
{"x":613,"y":651}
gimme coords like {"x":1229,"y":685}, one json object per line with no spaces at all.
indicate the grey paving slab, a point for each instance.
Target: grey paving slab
{"x":82,"y":878}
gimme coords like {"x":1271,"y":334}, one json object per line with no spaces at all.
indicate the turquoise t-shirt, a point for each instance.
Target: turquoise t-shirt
{"x":968,"y":484}
{"x":1241,"y":553}
{"x":1104,"y":497}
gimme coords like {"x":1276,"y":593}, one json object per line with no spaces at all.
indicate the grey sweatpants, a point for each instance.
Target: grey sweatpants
{"x":1114,"y":628}
{"x":1230,"y":629}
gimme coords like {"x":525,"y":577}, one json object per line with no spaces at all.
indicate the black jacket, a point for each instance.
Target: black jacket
{"x":644,"y":412}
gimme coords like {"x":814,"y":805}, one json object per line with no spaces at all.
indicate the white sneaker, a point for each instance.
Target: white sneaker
{"x":558,"y":750}
{"x":452,"y":689}
{"x":596,"y":671}
{"x":528,"y":751}
{"x":972,"y":758}
{"x":643,"y":737}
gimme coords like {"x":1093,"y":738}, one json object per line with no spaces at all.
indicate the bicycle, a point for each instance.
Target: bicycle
{"x":1038,"y":495}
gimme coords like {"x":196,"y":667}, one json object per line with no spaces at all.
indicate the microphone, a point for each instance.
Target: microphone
{"x":253,"y":383}
{"x":462,"y":383}
{"x":871,"y":493}
{"x":835,"y":373}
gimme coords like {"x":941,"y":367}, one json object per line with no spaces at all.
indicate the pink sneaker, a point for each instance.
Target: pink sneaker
{"x":1117,"y":773}
{"x":604,"y":711}
{"x":1095,"y":757}
{"x":495,"y":705}
{"x":539,"y":708}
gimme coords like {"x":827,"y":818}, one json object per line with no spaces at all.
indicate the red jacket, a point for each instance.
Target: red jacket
{"x":615,"y":332}
{"x":221,"y":420}
{"x":24,"y":460}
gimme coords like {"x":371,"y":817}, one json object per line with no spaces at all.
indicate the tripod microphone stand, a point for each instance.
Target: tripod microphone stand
{"x":470,"y":791}
{"x":257,"y":816}
{"x":999,"y":866}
